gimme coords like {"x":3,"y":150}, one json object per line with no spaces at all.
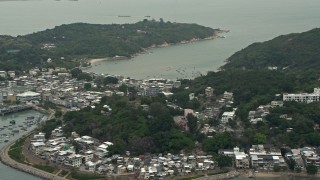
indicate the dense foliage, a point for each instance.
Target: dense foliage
{"x":15,"y":151}
{"x":298,"y":52}
{"x":66,"y":43}
{"x":129,"y":127}
{"x":253,"y":84}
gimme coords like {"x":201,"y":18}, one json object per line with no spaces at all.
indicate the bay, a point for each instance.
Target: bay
{"x":6,"y":172}
{"x":248,"y":21}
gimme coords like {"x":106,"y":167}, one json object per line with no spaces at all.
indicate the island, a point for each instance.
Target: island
{"x":68,"y":45}
{"x":255,"y":117}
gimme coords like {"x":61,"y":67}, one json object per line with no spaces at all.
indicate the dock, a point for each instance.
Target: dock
{"x":12,"y":109}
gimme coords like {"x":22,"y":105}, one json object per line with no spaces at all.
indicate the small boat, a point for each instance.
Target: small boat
{"x":13,"y":122}
{"x":124,"y":16}
{"x":15,"y":131}
{"x":6,"y":140}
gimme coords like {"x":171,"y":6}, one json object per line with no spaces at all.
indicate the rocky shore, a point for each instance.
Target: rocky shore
{"x":228,"y":175}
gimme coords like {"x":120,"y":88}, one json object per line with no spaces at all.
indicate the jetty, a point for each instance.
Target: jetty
{"x":14,"y":108}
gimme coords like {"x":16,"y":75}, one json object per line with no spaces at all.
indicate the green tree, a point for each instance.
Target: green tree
{"x":75,"y":72}
{"x":312,"y":169}
{"x":260,"y":138}
{"x":110,"y":80}
{"x":192,"y":123}
{"x":223,"y":161}
{"x":84,"y":76}
{"x":291,"y":164}
{"x":276,"y":168}
{"x":58,"y":113}
{"x":220,"y":141}
{"x":87,"y":86}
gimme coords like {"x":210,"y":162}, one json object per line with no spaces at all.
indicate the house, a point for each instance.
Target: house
{"x":191,"y":96}
{"x":12,"y":74}
{"x":227,"y":115}
{"x":228,"y":95}
{"x":276,"y":103}
{"x":38,"y":137}
{"x":242,"y":161}
{"x":74,"y":160}
{"x":265,"y":158}
{"x":88,"y":155}
{"x":90,"y":166}
{"x":209,"y":91}
{"x":3,"y":74}
{"x":57,"y":132}
{"x":309,"y":156}
{"x":36,"y":147}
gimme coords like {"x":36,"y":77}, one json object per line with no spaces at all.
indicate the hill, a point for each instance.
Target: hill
{"x":296,"y":57}
{"x":293,"y":52}
{"x":66,"y":44}
{"x":297,"y":60}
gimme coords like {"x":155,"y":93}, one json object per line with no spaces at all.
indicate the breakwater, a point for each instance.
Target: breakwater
{"x":5,"y":159}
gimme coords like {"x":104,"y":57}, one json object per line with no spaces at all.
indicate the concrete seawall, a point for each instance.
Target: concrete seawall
{"x":5,"y":159}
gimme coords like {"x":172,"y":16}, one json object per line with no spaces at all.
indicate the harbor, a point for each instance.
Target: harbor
{"x":25,"y":122}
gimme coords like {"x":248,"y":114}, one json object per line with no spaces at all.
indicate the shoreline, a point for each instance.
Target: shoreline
{"x":94,"y":61}
{"x":8,"y":161}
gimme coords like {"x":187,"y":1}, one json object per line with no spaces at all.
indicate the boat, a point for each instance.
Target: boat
{"x":15,"y":131}
{"x":6,"y":140}
{"x":13,"y":122}
{"x":30,"y":117}
{"x":124,"y":16}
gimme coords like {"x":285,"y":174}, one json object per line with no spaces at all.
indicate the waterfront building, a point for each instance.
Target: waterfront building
{"x":28,"y":96}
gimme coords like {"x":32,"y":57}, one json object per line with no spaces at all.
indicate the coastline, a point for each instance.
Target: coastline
{"x":5,"y":159}
{"x":215,"y":35}
{"x":8,"y":161}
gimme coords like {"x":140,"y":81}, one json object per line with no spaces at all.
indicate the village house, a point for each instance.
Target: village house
{"x":309,"y":156}
{"x":262,"y":158}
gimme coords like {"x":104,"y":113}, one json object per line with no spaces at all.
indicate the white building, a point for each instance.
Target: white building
{"x":227,"y":115}
{"x":209,"y":91}
{"x":28,"y":96}
{"x":303,"y":97}
{"x":74,"y":160}
{"x":3,"y":74}
{"x":227,"y":95}
{"x":36,"y":147}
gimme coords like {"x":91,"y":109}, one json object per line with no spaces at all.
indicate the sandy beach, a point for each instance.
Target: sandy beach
{"x":165,"y":44}
{"x":94,"y":61}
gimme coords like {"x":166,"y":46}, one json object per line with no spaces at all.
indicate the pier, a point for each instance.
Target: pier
{"x":15,"y":108}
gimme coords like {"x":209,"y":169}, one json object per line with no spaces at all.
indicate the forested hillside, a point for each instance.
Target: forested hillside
{"x":293,"y":52}
{"x":66,"y":44}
